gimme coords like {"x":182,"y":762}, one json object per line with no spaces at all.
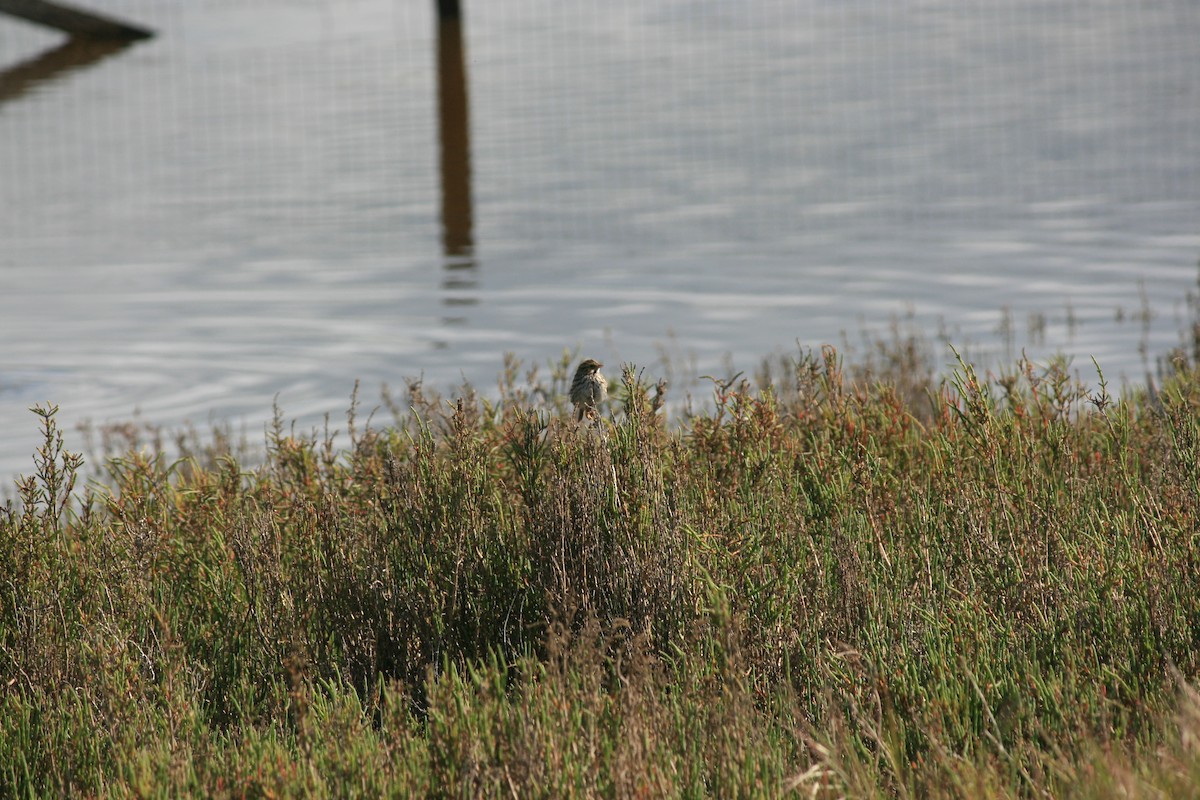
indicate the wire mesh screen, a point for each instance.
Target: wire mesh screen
{"x":253,"y":125}
{"x":310,"y":125}
{"x":276,"y":198}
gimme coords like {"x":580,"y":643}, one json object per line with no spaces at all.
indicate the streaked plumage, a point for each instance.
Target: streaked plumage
{"x":588,"y":389}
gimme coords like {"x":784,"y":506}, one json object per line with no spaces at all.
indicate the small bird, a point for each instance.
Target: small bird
{"x":588,"y":389}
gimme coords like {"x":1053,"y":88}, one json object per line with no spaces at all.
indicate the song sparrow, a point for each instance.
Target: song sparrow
{"x":588,"y":389}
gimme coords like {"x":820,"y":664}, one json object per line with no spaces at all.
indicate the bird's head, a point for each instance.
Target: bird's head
{"x":590,"y":365}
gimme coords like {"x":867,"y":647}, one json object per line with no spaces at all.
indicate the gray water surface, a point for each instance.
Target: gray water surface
{"x":250,"y":204}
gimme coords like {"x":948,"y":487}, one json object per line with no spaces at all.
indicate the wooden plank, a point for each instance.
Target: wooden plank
{"x":74,"y":21}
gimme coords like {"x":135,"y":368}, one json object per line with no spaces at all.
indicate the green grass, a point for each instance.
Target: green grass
{"x":835,"y":581}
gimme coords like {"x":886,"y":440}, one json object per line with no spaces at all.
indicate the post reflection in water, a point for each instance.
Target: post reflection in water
{"x":458,"y":245}
{"x":57,"y":62}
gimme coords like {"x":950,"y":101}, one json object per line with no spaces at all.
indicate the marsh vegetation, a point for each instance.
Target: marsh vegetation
{"x":834,"y":581}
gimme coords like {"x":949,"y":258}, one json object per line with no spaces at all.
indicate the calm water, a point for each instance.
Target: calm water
{"x":250,"y":204}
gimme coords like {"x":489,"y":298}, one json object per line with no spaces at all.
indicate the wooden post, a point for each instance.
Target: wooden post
{"x":74,"y":21}
{"x":449,"y":9}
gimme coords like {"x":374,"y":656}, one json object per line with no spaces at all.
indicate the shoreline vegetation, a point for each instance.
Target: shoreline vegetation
{"x":837,"y":581}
